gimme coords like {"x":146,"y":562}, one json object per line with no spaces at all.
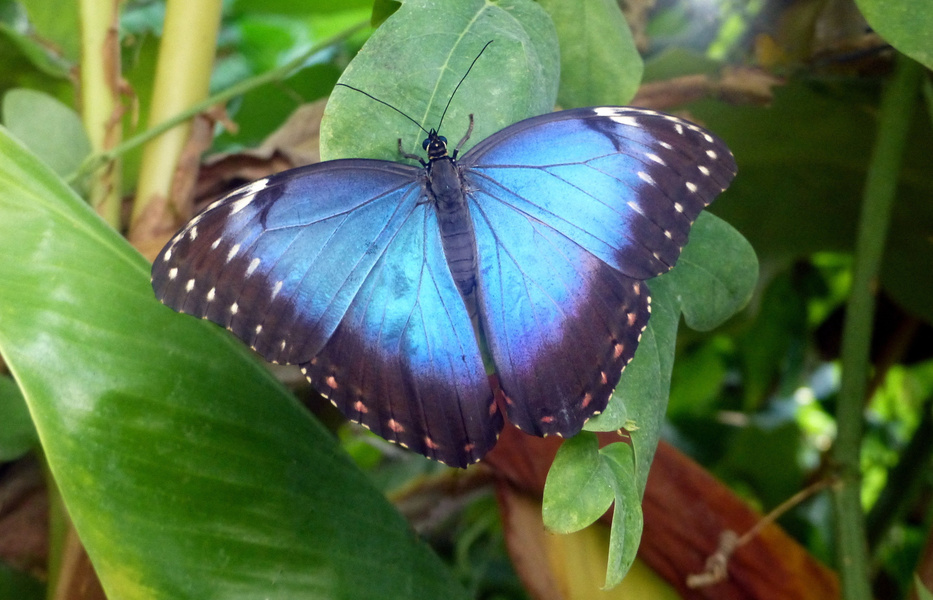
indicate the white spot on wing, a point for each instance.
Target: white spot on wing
{"x":240,"y":204}
{"x":215,"y":244}
{"x":190,"y":285}
{"x":275,"y":291}
{"x":193,"y":233}
{"x":646,"y":178}
{"x":707,"y":137}
{"x":258,"y":329}
{"x":248,"y":192}
{"x":712,"y":154}
{"x":606,"y":111}
{"x":211,"y":294}
{"x":666,"y":145}
{"x":656,"y":158}
{"x":621,"y":116}
{"x":172,"y":273}
{"x":692,"y":186}
{"x":168,"y":253}
{"x":234,"y":308}
{"x":233,"y":251}
{"x":703,"y":170}
{"x":679,"y":207}
{"x":679,"y":128}
{"x":252,"y":266}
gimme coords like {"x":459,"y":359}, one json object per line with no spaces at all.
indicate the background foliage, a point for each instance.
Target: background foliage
{"x":190,"y":471}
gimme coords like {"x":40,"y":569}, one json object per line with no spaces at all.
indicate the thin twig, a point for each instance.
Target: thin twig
{"x":717,"y":564}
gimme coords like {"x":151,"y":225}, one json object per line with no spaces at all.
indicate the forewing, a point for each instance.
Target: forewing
{"x":279,"y":261}
{"x":624,"y":183}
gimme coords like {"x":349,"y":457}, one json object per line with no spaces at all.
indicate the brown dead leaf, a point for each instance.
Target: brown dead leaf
{"x":685,"y":511}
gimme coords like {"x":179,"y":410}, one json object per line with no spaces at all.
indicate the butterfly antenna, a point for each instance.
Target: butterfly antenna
{"x":449,"y":100}
{"x":389,"y":105}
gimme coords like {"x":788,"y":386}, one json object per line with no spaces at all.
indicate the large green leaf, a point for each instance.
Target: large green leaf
{"x":415,"y":65}
{"x":905,"y":25}
{"x":188,"y":470}
{"x":599,"y":63}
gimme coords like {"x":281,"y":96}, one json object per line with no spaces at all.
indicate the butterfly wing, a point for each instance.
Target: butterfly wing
{"x":420,"y":382}
{"x":278,"y":261}
{"x":572,"y":211}
{"x":335,"y":268}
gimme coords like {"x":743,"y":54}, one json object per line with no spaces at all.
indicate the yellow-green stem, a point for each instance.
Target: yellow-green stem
{"x":183,"y":73}
{"x":101,"y":107}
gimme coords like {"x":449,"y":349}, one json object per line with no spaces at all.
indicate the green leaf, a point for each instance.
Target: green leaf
{"x":34,"y":53}
{"x":716,"y":274}
{"x":188,"y":470}
{"x":599,"y":63}
{"x":627,"y":519}
{"x":578,"y":489}
{"x":401,"y":65}
{"x":905,"y":25}
{"x":57,"y":23}
{"x":18,"y":434}
{"x":48,"y":127}
{"x":583,"y":483}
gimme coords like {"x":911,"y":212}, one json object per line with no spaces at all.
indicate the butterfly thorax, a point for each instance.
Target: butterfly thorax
{"x":456,"y":228}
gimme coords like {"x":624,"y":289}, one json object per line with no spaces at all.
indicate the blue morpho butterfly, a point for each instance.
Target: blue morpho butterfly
{"x":383,"y":280}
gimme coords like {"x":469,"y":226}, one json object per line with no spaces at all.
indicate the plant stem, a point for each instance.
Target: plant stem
{"x":183,"y":72}
{"x":101,"y":108}
{"x":897,"y":105}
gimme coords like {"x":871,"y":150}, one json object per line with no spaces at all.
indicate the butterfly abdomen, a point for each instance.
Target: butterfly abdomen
{"x":456,"y":227}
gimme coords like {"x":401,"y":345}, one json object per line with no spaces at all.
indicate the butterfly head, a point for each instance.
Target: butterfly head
{"x":435,"y":145}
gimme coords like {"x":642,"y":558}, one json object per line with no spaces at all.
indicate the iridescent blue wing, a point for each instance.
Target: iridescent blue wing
{"x":573,"y":211}
{"x":404,"y":360}
{"x":331,"y":267}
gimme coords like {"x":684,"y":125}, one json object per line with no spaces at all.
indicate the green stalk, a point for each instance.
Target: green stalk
{"x":897,"y":105}
{"x":183,"y":73}
{"x":101,"y":108}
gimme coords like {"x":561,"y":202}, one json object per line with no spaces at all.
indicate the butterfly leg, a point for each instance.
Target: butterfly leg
{"x":410,"y":156}
{"x":465,"y":137}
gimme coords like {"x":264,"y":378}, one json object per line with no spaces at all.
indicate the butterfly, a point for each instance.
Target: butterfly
{"x":387,"y":283}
